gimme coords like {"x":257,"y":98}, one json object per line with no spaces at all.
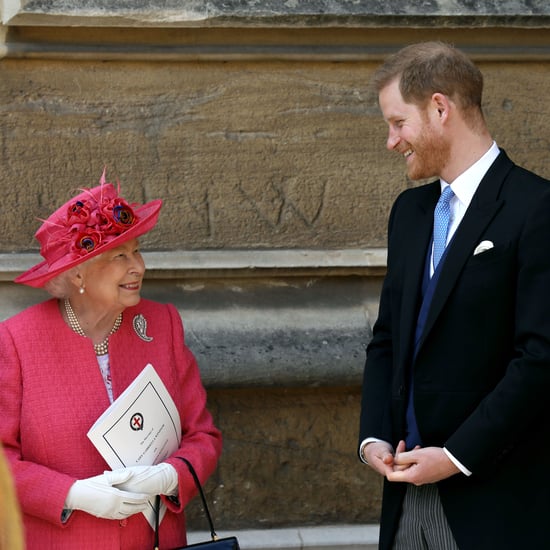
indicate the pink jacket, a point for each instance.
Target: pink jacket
{"x":51,"y":392}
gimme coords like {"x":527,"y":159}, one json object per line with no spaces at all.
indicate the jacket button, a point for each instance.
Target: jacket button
{"x":123,"y":522}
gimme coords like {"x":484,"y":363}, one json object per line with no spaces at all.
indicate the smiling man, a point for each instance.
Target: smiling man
{"x":458,"y":371}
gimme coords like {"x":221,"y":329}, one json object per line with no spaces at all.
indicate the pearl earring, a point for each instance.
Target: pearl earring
{"x":81,"y":290}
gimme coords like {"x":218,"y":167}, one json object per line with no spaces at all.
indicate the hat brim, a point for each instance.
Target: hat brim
{"x":38,"y":275}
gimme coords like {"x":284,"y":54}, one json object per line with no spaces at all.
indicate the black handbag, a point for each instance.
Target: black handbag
{"x":227,"y":543}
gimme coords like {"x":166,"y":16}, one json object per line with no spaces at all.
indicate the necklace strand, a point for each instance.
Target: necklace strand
{"x":103,"y":347}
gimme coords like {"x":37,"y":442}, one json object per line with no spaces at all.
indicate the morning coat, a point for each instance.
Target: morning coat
{"x":482,"y":370}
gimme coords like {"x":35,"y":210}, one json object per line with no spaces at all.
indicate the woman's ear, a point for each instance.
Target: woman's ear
{"x":77,"y":279}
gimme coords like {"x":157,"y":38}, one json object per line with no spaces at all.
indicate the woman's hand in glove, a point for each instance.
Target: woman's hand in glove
{"x":98,"y":496}
{"x":161,"y":479}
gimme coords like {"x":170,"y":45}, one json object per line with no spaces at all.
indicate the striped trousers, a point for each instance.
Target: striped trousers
{"x":423,"y":525}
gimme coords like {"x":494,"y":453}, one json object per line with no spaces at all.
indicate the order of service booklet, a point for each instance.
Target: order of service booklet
{"x":142,"y":427}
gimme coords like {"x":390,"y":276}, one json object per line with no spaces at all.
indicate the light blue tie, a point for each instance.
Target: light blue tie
{"x":442,"y":217}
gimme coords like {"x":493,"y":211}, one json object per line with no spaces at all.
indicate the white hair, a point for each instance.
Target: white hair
{"x":60,"y":286}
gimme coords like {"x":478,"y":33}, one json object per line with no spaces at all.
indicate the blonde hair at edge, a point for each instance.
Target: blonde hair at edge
{"x":11,"y":531}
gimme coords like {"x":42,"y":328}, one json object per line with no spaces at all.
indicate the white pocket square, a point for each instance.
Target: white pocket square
{"x":483,"y":246}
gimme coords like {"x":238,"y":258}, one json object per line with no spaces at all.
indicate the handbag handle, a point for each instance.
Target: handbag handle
{"x":213,"y":534}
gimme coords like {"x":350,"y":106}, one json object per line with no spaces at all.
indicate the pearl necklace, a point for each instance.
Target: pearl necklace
{"x":103,"y":347}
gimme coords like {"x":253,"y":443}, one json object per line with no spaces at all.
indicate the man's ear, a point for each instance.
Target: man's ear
{"x":441,"y":105}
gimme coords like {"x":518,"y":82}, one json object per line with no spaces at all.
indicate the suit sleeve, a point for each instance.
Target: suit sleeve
{"x":516,"y":408}
{"x":375,"y":418}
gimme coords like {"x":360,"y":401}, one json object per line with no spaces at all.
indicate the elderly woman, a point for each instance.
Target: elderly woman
{"x":66,"y":359}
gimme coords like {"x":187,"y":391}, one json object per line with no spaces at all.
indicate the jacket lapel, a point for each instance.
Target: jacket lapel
{"x":485,"y":204}
{"x":422,"y":222}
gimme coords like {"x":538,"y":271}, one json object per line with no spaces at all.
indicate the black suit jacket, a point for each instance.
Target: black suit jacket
{"x":482,"y":370}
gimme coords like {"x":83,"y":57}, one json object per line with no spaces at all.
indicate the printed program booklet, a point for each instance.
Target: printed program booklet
{"x":142,"y":427}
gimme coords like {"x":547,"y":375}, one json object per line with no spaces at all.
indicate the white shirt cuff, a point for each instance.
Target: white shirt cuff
{"x":457,"y":463}
{"x":364,"y":444}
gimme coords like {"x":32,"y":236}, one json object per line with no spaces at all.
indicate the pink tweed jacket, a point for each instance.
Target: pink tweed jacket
{"x":51,"y":392}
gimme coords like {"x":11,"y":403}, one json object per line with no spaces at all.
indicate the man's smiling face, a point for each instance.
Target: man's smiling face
{"x":415,"y":133}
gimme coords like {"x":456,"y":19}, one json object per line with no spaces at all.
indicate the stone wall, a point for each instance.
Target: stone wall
{"x":256,"y":125}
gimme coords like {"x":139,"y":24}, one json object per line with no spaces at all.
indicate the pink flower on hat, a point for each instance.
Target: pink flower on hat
{"x":78,"y":212}
{"x":91,"y":221}
{"x":87,"y":240}
{"x":119,"y":213}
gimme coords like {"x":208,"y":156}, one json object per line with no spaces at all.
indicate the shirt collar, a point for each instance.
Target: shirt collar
{"x":465,"y":185}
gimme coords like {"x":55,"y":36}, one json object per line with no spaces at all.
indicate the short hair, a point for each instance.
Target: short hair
{"x":60,"y":286}
{"x":433,"y":67}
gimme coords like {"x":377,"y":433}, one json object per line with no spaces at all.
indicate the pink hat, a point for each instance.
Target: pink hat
{"x":91,"y":223}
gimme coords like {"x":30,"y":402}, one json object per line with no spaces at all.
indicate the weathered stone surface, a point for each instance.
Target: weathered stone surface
{"x":245,"y":155}
{"x":294,"y":332}
{"x":273,"y":12}
{"x":285,"y":333}
{"x":289,"y":458}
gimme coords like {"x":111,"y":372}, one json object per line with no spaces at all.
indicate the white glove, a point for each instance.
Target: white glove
{"x":161,"y":479}
{"x":97,"y":496}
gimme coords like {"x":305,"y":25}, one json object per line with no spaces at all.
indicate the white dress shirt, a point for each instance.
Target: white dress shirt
{"x":464,"y":187}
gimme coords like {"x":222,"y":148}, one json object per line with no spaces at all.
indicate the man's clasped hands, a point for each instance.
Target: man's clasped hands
{"x":418,"y":466}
